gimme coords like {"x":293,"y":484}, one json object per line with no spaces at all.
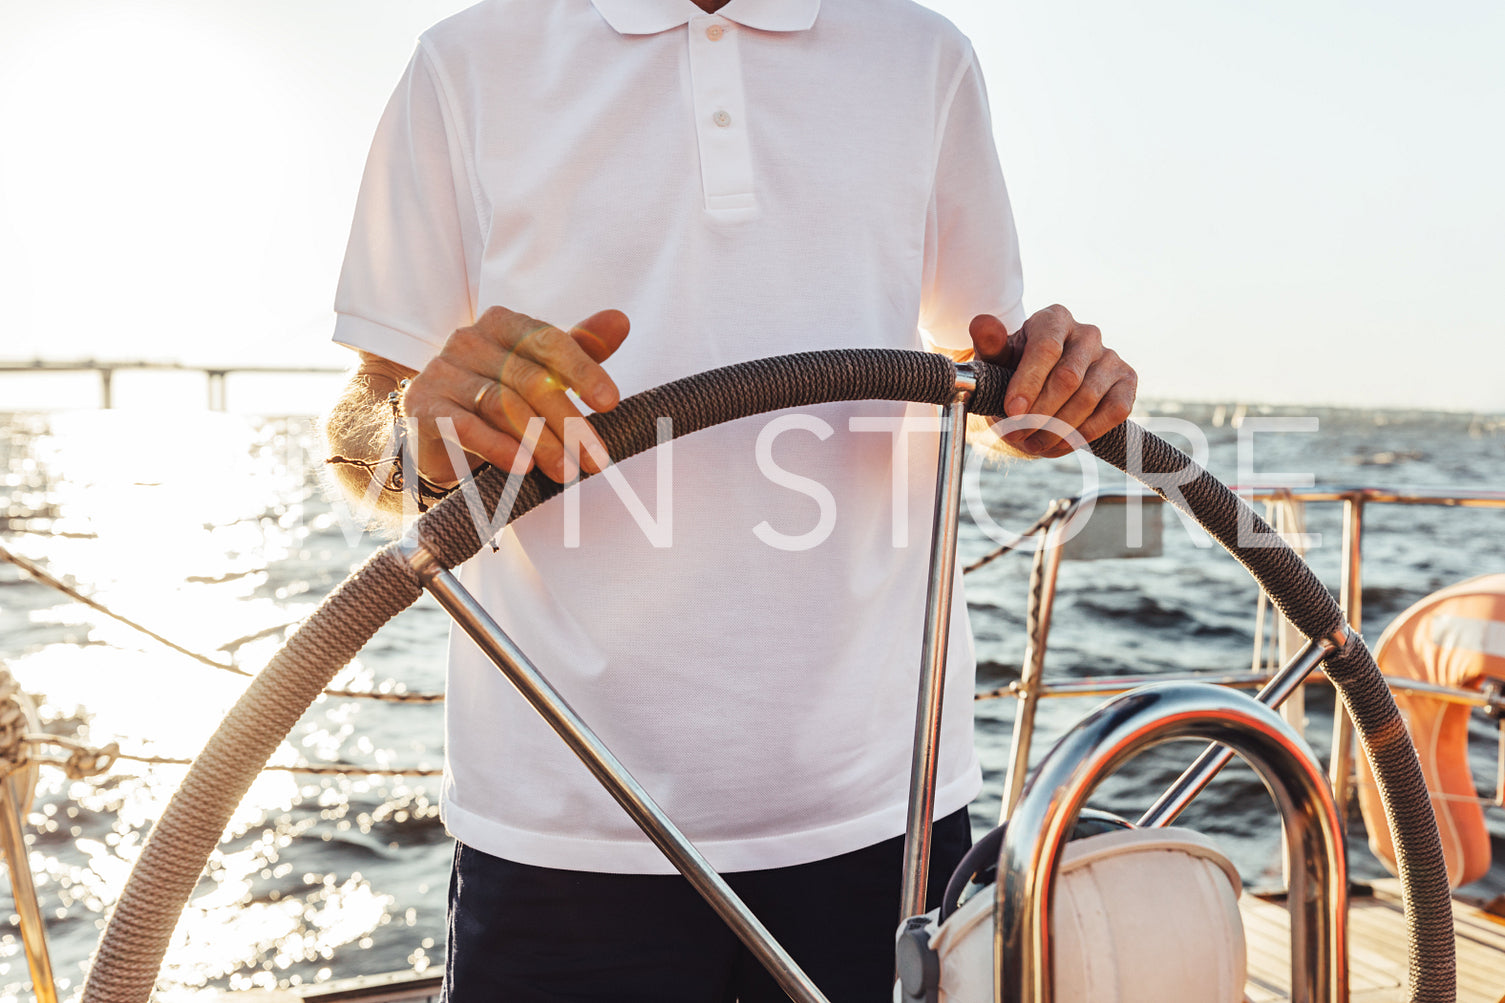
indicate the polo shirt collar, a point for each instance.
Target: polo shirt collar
{"x":649,"y":17}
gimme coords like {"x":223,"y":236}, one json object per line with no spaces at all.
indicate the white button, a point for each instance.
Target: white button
{"x":722,"y":119}
{"x":714,"y":32}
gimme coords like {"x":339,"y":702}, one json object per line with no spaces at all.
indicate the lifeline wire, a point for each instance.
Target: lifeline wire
{"x":324,"y":770}
{"x":43,"y":576}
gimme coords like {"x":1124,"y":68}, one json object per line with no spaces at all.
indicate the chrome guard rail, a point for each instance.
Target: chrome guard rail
{"x":1030,"y":688}
{"x":1042,"y":820}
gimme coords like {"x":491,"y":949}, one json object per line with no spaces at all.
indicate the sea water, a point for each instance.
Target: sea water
{"x":215,"y":531}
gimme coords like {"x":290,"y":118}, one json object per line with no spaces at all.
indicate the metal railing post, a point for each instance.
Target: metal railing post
{"x":952,"y":451}
{"x":23,"y":891}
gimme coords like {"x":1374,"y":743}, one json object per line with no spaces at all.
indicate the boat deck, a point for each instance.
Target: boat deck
{"x":1376,"y":949}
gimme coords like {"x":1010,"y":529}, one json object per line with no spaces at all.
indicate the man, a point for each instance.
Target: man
{"x":741,"y":179}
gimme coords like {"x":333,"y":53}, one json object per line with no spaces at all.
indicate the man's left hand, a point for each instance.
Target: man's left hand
{"x":1062,"y":371}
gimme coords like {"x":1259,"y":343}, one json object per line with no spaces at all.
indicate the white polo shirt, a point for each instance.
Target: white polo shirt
{"x":782,"y":176}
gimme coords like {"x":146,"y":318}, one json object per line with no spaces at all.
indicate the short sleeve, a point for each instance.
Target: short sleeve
{"x":971,"y":247}
{"x":408,"y":276}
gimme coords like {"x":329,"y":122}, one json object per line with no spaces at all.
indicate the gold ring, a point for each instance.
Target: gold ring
{"x":476,"y":400}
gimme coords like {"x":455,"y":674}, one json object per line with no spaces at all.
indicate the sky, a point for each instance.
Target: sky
{"x":1274,"y":202}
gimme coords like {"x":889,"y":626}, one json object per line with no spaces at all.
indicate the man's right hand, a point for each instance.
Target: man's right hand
{"x":492,"y":377}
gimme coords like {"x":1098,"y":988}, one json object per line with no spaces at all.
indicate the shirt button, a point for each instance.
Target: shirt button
{"x":714,"y":32}
{"x":722,"y":119}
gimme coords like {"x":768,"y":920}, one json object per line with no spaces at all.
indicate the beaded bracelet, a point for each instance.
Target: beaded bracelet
{"x":424,"y":491}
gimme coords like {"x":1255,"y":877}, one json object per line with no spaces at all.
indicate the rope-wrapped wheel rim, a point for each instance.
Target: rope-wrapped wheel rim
{"x":130,"y":953}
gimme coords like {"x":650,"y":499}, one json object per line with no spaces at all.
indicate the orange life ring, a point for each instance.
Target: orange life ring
{"x":1456,"y":638}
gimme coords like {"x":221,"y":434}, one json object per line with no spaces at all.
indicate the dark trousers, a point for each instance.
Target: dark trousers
{"x":522,"y":934}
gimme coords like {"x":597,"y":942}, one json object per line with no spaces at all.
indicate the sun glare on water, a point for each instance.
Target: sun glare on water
{"x":211,"y":529}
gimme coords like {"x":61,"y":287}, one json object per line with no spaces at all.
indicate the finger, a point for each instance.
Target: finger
{"x":1100,"y":377}
{"x":439,"y":391}
{"x":564,"y":359}
{"x":1113,"y":410}
{"x":499,"y":333}
{"x":508,"y":412}
{"x":479,"y":438}
{"x":1083,"y":349}
{"x":990,"y":339}
{"x":601,"y":334}
{"x":545,"y":395}
{"x":498,"y":417}
{"x":1044,"y":341}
